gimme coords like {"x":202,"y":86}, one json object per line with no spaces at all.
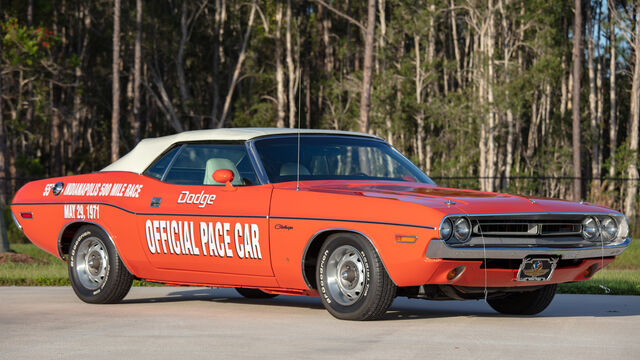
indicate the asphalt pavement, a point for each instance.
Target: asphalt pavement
{"x":204,"y":323}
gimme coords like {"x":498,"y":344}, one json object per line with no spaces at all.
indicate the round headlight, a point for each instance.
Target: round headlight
{"x":445,"y":229}
{"x":609,"y":229}
{"x":590,"y":228}
{"x":461,"y":229}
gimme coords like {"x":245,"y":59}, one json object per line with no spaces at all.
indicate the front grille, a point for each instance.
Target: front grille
{"x":526,"y":228}
{"x":525,"y":231}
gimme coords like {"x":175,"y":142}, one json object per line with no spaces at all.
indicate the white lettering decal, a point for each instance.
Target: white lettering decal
{"x":47,"y":189}
{"x":227,"y":240}
{"x":98,"y":189}
{"x":149,"y":231}
{"x":212,"y":244}
{"x":196,"y":250}
{"x":174,"y":231}
{"x":69,"y":212}
{"x":163,"y":235}
{"x":186,"y":240}
{"x":156,"y":234}
{"x":215,"y":239}
{"x":237,"y":235}
{"x":255,"y":240}
{"x":203,"y":237}
{"x":247,"y":242}
{"x":200,"y":199}
{"x":219,"y":244}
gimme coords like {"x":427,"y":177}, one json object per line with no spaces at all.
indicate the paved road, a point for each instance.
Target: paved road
{"x":186,"y":323}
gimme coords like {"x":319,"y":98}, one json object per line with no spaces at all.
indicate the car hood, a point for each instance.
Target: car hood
{"x":455,"y":200}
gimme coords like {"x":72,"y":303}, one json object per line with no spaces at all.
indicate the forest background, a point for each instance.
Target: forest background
{"x":533,"y":97}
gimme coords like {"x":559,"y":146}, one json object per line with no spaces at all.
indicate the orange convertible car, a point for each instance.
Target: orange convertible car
{"x":337,"y":214}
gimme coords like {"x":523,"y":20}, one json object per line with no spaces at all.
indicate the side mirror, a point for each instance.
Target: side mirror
{"x":224,"y":176}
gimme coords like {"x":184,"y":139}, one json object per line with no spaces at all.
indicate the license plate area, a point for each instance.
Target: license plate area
{"x":537,"y":268}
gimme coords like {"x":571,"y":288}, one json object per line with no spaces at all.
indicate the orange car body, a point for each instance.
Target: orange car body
{"x":267,"y":236}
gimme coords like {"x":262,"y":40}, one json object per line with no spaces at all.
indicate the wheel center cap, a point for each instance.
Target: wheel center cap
{"x":348,"y":275}
{"x":94,"y":264}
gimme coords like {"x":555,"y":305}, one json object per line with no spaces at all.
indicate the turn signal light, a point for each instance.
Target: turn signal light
{"x":455,"y":272}
{"x":406,"y":239}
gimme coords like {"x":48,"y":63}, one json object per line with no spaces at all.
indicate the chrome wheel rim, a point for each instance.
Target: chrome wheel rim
{"x":345,"y":275}
{"x":92,"y":262}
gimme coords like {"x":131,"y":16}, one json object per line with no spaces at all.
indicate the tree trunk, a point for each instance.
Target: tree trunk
{"x":115,"y":113}
{"x":491,"y":114}
{"x":218,"y":29}
{"x":79,"y":108}
{"x":592,"y":99}
{"x":419,"y":100}
{"x":634,"y":115}
{"x":137,"y":73}
{"x":293,"y":75}
{"x":307,"y":97}
{"x":456,"y":49}
{"x":365,"y":95}
{"x":328,"y":50}
{"x":280,"y":96}
{"x":184,"y":35}
{"x":613,"y":134}
{"x":3,"y":147}
{"x":563,"y":88}
{"x":577,"y":51}
{"x":236,"y":72}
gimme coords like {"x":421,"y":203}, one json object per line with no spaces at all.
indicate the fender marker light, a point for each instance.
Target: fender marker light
{"x":26,"y":215}
{"x":406,"y":239}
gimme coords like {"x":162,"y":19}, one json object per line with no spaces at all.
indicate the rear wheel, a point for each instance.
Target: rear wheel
{"x":96,"y":272}
{"x":524,"y":303}
{"x":254,"y":293}
{"x":352,"y":281}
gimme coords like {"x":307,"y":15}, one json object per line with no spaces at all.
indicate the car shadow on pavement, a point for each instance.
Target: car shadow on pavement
{"x":562,"y":306}
{"x":225,"y":295}
{"x":410,"y":309}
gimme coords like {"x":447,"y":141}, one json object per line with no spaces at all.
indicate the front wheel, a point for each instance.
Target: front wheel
{"x":97,"y":274}
{"x":352,"y":281}
{"x":524,"y":303}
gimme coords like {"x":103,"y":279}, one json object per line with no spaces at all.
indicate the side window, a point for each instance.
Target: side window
{"x":196,"y":163}
{"x":160,"y":166}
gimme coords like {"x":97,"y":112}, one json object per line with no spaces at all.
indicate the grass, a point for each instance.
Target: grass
{"x":621,"y":277}
{"x":614,"y":282}
{"x":47,"y":270}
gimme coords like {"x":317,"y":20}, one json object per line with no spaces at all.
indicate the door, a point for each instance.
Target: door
{"x":203,"y":226}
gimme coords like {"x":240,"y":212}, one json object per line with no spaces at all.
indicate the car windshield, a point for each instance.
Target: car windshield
{"x":335,"y":158}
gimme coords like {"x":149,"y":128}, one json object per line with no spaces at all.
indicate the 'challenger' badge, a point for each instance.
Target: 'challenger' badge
{"x":282,"y":227}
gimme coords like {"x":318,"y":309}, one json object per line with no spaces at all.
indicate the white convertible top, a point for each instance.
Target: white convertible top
{"x":147,"y":150}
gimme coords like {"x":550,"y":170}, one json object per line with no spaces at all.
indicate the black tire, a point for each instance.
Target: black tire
{"x":352,"y":281}
{"x":97,"y":274}
{"x":524,"y":303}
{"x":254,"y":293}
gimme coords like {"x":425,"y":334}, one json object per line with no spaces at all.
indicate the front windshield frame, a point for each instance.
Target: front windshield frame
{"x":418,"y":175}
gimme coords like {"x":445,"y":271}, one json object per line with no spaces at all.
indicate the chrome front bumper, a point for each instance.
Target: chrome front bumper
{"x":438,"y":249}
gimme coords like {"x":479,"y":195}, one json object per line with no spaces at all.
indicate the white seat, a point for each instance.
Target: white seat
{"x":214,"y":164}
{"x":291,"y":168}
